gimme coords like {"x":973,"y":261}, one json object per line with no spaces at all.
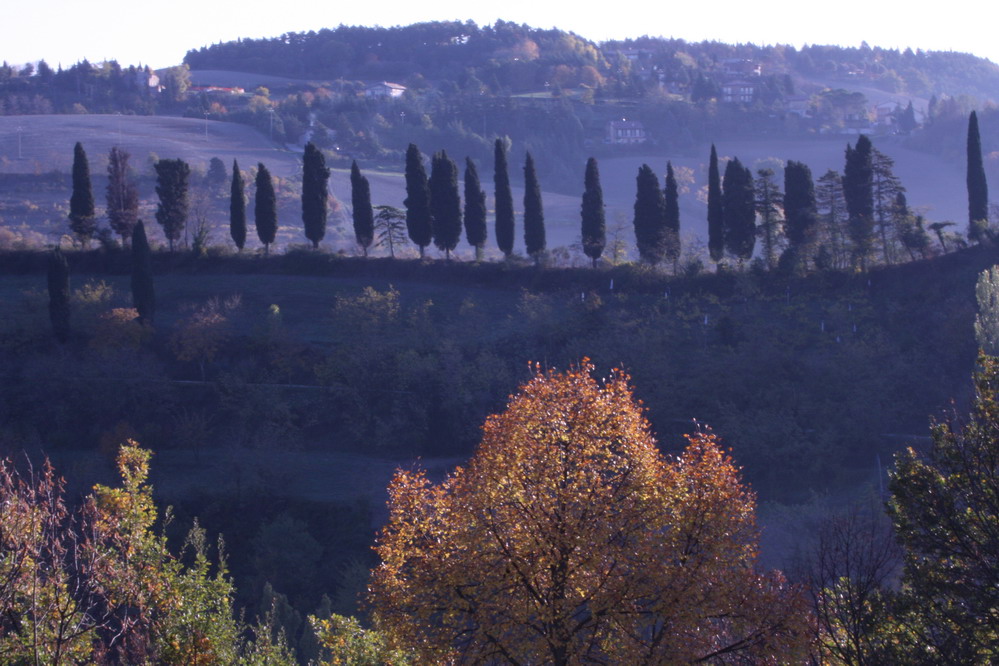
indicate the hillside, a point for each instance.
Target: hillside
{"x":33,"y":198}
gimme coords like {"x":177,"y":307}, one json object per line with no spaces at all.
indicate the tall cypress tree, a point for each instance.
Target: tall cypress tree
{"x":650,"y":216}
{"x":739,"y":208}
{"x":858,"y":191}
{"x":364,"y":215}
{"x":237,"y":208}
{"x":504,"y":200}
{"x":82,"y":217}
{"x":265,"y":208}
{"x":445,"y":203}
{"x":419,"y":220}
{"x":58,"y":282}
{"x":594,"y":216}
{"x":671,"y":195}
{"x":800,"y":213}
{"x":143,"y":294}
{"x":716,"y":215}
{"x":978,"y":189}
{"x":534,"y":215}
{"x":315,"y":193}
{"x":475,"y":209}
{"x":122,"y":196}
{"x":171,"y":186}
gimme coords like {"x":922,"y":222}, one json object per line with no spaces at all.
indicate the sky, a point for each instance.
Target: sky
{"x":159,"y":34}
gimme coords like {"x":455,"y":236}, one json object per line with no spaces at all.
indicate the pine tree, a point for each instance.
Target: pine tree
{"x":800,"y":214}
{"x":475,"y":209}
{"x":978,"y":188}
{"x":886,"y":187}
{"x":122,"y":196}
{"x":594,"y":229}
{"x":237,"y":208}
{"x":390,"y":222}
{"x":910,"y":229}
{"x":58,"y":282}
{"x":768,"y":202}
{"x":315,"y":193}
{"x":364,"y":215}
{"x":171,"y":186}
{"x":739,"y":210}
{"x":671,"y":195}
{"x":858,"y":191}
{"x":82,"y":216}
{"x":534,"y":216}
{"x":419,"y":220}
{"x":504,"y":200}
{"x":716,"y":214}
{"x":445,"y":203}
{"x":143,"y":295}
{"x":265,"y":208}
{"x":831,"y":204}
{"x":650,"y":216}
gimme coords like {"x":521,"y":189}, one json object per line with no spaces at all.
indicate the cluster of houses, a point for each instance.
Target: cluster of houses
{"x":740,"y":81}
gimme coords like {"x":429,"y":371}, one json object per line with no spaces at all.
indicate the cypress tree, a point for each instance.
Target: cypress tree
{"x":82,"y":217}
{"x":739,"y":207}
{"x":858,"y":191}
{"x":800,"y":212}
{"x":237,"y":208}
{"x":716,"y":215}
{"x":143,"y":295}
{"x":445,"y":203}
{"x":534,"y":216}
{"x":364,"y":215}
{"x":122,"y":196}
{"x":650,"y":216}
{"x":504,"y":200}
{"x":475,"y":209}
{"x":58,"y":281}
{"x":419,"y":220}
{"x":907,"y":119}
{"x":315,"y":193}
{"x":265,"y":208}
{"x":978,"y":189}
{"x":594,"y":216}
{"x":171,"y":187}
{"x":671,"y":194}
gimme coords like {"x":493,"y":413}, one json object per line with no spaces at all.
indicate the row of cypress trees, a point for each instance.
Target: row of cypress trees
{"x":172,"y":176}
{"x":434,"y":212}
{"x":315,"y":201}
{"x":657,"y":216}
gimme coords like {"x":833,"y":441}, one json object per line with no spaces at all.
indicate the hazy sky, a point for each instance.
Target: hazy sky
{"x":159,"y":34}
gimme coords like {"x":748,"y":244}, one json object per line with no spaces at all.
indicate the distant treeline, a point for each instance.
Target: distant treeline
{"x":511,"y":57}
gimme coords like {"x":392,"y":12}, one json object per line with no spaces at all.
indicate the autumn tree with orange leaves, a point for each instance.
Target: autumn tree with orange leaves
{"x":570,"y":539}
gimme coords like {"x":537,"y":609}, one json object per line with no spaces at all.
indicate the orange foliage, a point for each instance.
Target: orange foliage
{"x":119,"y":328}
{"x":570,"y":539}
